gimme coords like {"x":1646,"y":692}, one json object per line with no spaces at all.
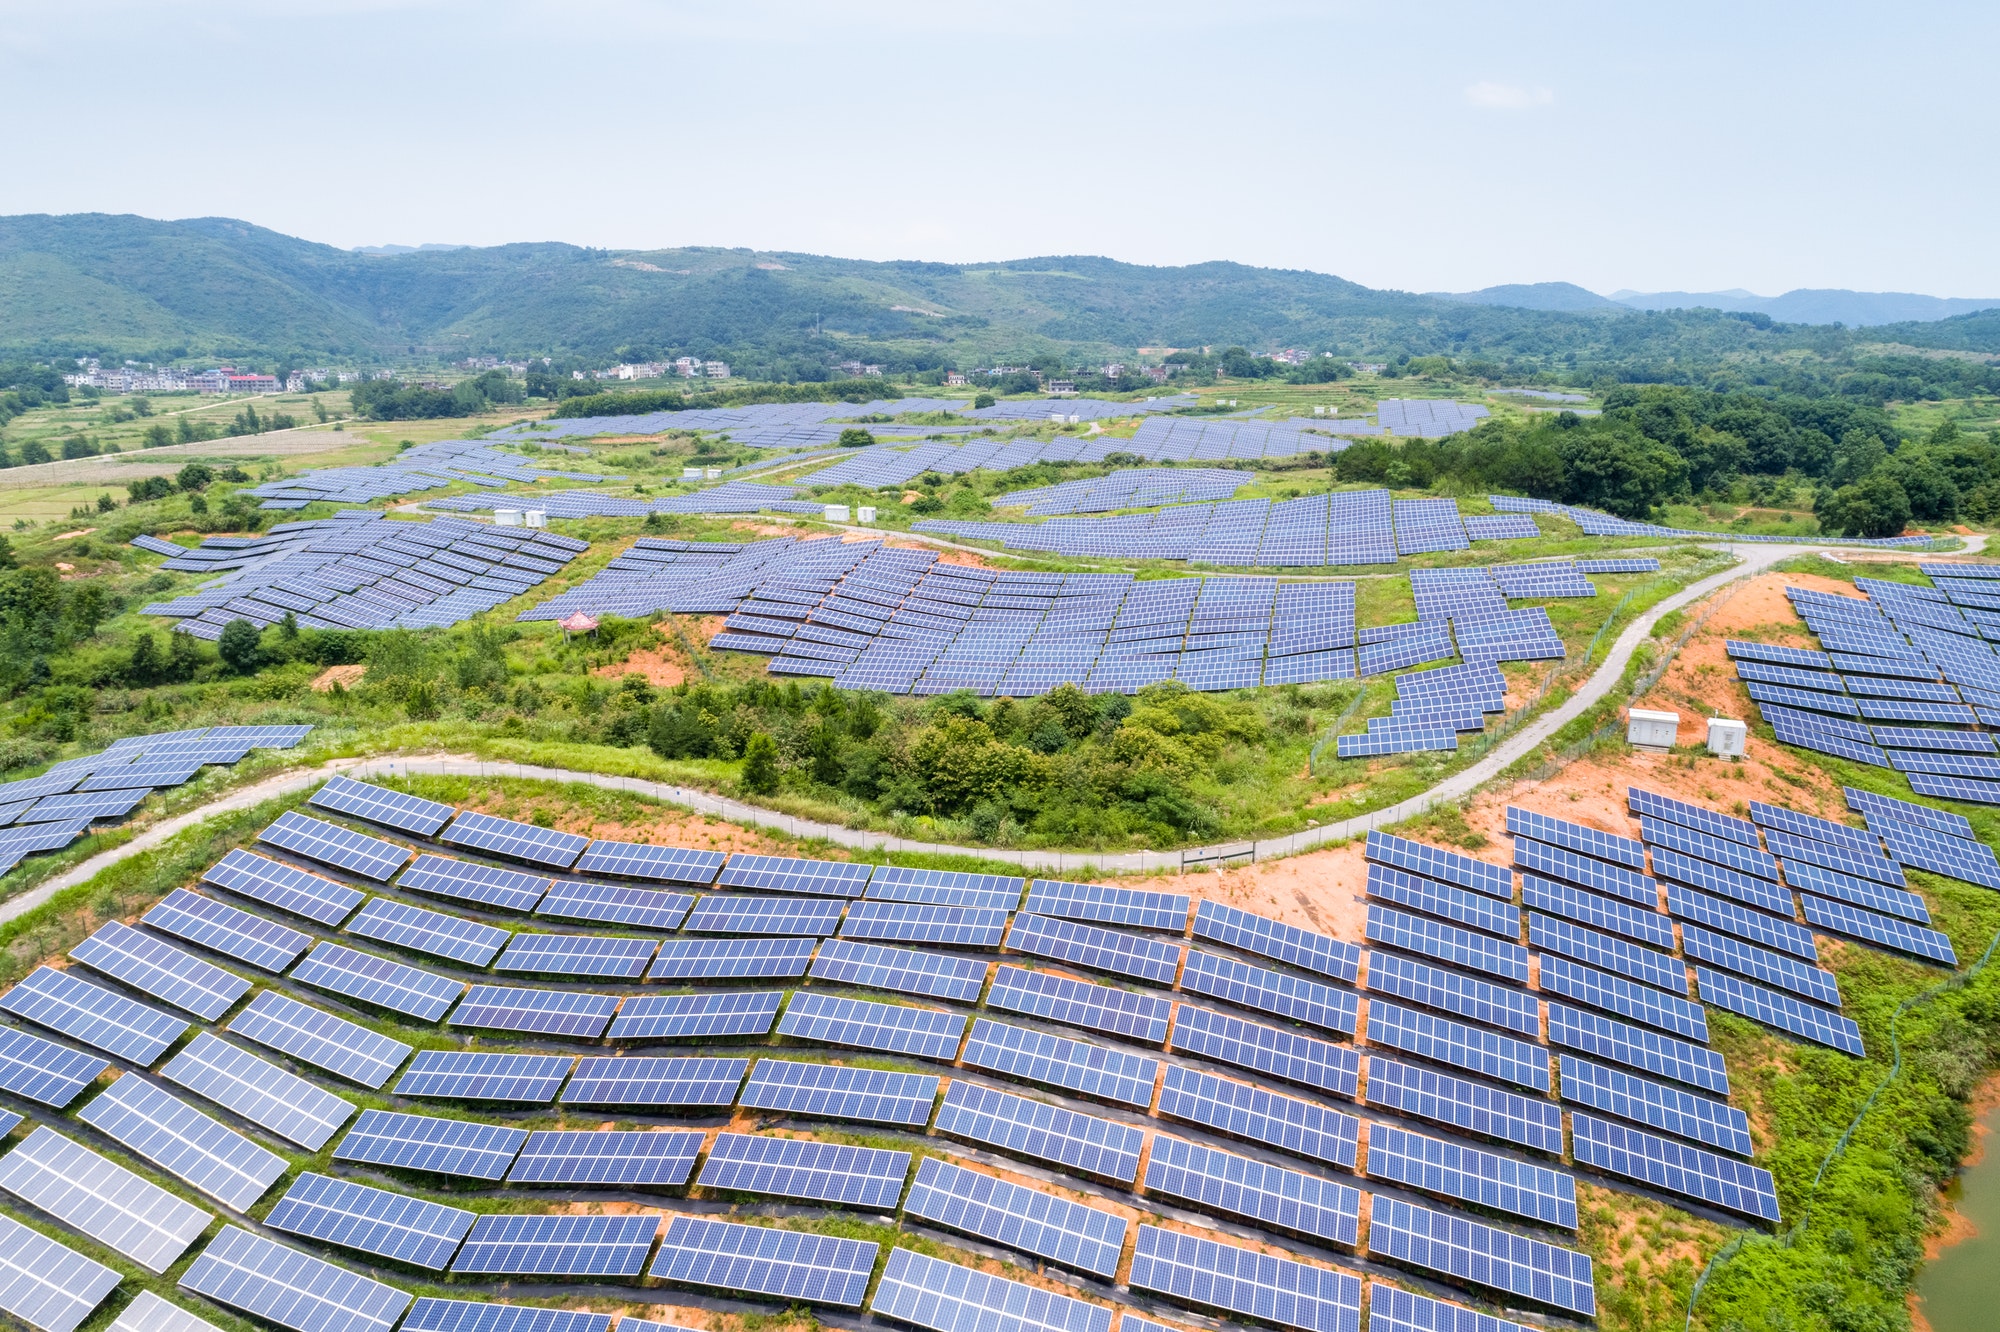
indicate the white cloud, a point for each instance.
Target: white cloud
{"x":1507,"y":96}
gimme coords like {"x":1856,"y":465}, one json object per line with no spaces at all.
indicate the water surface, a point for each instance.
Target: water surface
{"x":1961,"y":1289}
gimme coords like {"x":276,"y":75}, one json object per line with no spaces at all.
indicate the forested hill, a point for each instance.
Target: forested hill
{"x":131,"y":287}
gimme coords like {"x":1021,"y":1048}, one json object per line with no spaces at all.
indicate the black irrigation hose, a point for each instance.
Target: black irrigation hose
{"x":1791,"y":1237}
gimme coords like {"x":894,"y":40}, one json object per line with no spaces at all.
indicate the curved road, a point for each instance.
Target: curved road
{"x":1755,"y":559}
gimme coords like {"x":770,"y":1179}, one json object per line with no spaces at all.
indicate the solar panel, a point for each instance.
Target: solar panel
{"x":1038,"y":1056}
{"x":616,"y":903}
{"x":149,"y":1313}
{"x":1443,"y":1041}
{"x":1447,"y":943}
{"x":291,"y":1289}
{"x":1843,"y":860}
{"x":1870,"y":805}
{"x":731,"y":959}
{"x":832,"y":1020}
{"x":1805,"y":825}
{"x":516,"y":841}
{"x":908,"y":970}
{"x":1755,"y":926}
{"x":945,"y":1297}
{"x":1607,"y":953}
{"x":1098,"y":949}
{"x":1289,"y":996}
{"x":1450,"y":992}
{"x":1028,"y":1220}
{"x":724,"y":913}
{"x":425,"y":931}
{"x":371,"y":1220}
{"x":1256,"y":1114}
{"x":1760,"y":964}
{"x":44,"y":1071}
{"x":577,"y":955}
{"x":1453,"y":1246}
{"x":376,"y":980}
{"x":786,"y":874}
{"x":921,"y":922}
{"x":836,"y":1092}
{"x":432,"y":1145}
{"x":1107,"y":905}
{"x":1886,"y":931}
{"x":1035,"y":1129}
{"x":1576,"y":837}
{"x":1267,"y":1195}
{"x":1555,"y":862}
{"x":105,"y":1201}
{"x":1759,"y":893}
{"x":1806,"y":1021}
{"x":333,"y":1043}
{"x":678,"y":1016}
{"x":1221,"y":1276}
{"x":661,"y":864}
{"x":1081,"y":1003}
{"x":1453,"y":1170}
{"x":544,"y":1012}
{"x":391,"y":809}
{"x":488,"y":885}
{"x":838,"y":1173}
{"x":1637,"y":1048}
{"x":1471,"y":1106}
{"x":1627,"y":999}
{"x":1593,"y":909}
{"x":94,"y":1015}
{"x":286,"y":887}
{"x":434,"y":1315}
{"x":184,"y":1142}
{"x":161,"y":970}
{"x":608,"y":1158}
{"x":896,"y":883}
{"x":789,"y":1264}
{"x":1393,"y":1310}
{"x":1953,"y":857}
{"x":597,"y":1246}
{"x":479,"y":1075}
{"x":1447,"y":866}
{"x":49,"y":1285}
{"x":1955,"y":788}
{"x":654,"y":1081}
{"x":1293,"y":1056}
{"x":1650,"y":804}
{"x":1674,"y":1167}
{"x":225,"y":929}
{"x":1656,"y":1105}
{"x":331,"y":844}
{"x":1265,"y":937}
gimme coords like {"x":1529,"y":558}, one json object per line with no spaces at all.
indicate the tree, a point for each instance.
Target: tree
{"x":145,"y":665}
{"x":34,"y":451}
{"x":1874,"y":506}
{"x":982,"y":400}
{"x":854,"y":437}
{"x":760,"y":764}
{"x":195,"y":476}
{"x":238,"y":646}
{"x":7,"y":560}
{"x":1619,"y":471}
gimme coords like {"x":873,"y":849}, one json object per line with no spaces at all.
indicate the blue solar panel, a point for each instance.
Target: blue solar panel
{"x":286,"y":887}
{"x":1655,"y":1104}
{"x":785,"y":874}
{"x":391,"y":809}
{"x":1295,"y":997}
{"x":908,"y":970}
{"x":896,"y":883}
{"x":516,"y":841}
{"x":1576,"y":837}
{"x":44,"y":1071}
{"x":1637,"y":1048}
{"x":655,"y":1081}
{"x":1475,"y":910}
{"x":1805,"y":825}
{"x":731,"y":959}
{"x":376,"y":980}
{"x":291,"y":1289}
{"x":1886,"y":931}
{"x":480,"y":1075}
{"x":1714,"y":912}
{"x":616,"y":903}
{"x":371,"y":1220}
{"x":1759,"y":893}
{"x":1653,"y":805}
{"x":1221,"y":1276}
{"x":1628,"y":999}
{"x":434,"y":1315}
{"x":1080,"y":1003}
{"x":725,"y":913}
{"x":94,"y":1015}
{"x":1760,"y":964}
{"x":344,"y":1048}
{"x":1447,"y":943}
{"x":577,"y":955}
{"x":1098,"y":949}
{"x":544,"y":1012}
{"x":1265,"y":937}
{"x":427,"y":931}
{"x":225,"y":929}
{"x":1289,"y":1055}
{"x":1031,"y":1221}
{"x":1450,"y":992}
{"x":1553,"y":861}
{"x":157,"y":968}
{"x":1720,"y":850}
{"x":1448,"y":866}
{"x":630,"y":860}
{"x":1393,"y":1310}
{"x":680,"y":1016}
{"x":488,"y":885}
{"x":1453,"y":1170}
{"x":331,"y":844}
{"x":829,"y":1019}
{"x":1490,"y":1054}
{"x":1607,"y":953}
{"x":789,"y":1264}
{"x":1033,"y":1128}
{"x":1953,"y":857}
{"x":1773,"y":1009}
{"x":1267,"y":1195}
{"x":600,"y":1246}
{"x":921,"y":922}
{"x":435,"y":1146}
{"x":1678,"y":1169}
{"x":1450,"y":1245}
{"x":1471,"y":1106}
{"x":1596,"y":910}
{"x":1058,"y":1061}
{"x":1870,"y":805}
{"x":839,"y":1173}
{"x":1107,"y":905}
{"x":872,"y":1094}
{"x":1255,"y":1114}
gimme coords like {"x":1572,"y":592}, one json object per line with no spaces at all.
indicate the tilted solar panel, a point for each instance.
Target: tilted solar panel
{"x":331,"y":844}
{"x":226,"y":929}
{"x":1675,"y":1167}
{"x":570,"y":899}
{"x":1607,"y":953}
{"x":371,"y":1220}
{"x":1265,"y":937}
{"x":608,"y":1158}
{"x":1596,"y":910}
{"x":926,"y":1032}
{"x":1393,"y":1310}
{"x":650,"y":1081}
{"x":1447,"y":943}
{"x":679,"y":1016}
{"x":184,"y":1142}
{"x":907,"y":970}
{"x":1886,"y":931}
{"x":1436,"y":863}
{"x":434,"y":1315}
{"x":835,"y":1092}
{"x":1576,"y":837}
{"x":488,"y":885}
{"x":1214,"y":1275}
{"x":376,"y":980}
{"x":1597,"y":875}
{"x":51,"y":1286}
{"x":483,"y":1075}
{"x":1627,"y":999}
{"x":516,"y":841}
{"x":1452,"y":1246}
{"x":1098,"y":949}
{"x":1266,"y":1195}
{"x":391,"y":809}
{"x":788,"y":1264}
{"x":1653,"y":805}
{"x":1107,"y":905}
{"x":661,"y":864}
{"x":725,"y":913}
{"x":1461,"y":1046}
{"x":1057,"y":1061}
{"x":838,"y":1173}
{"x":545,"y":1012}
{"x":923,"y":922}
{"x":567,"y":1245}
{"x":159,"y":969}
{"x":291,"y":1289}
{"x":1773,"y":1009}
{"x":425,"y":931}
{"x":1033,"y":1128}
{"x":1292,"y":1056}
{"x":785,"y":874}
{"x":101,"y":1199}
{"x":1657,"y":1105}
{"x":94,"y":1015}
{"x":1466,"y":1174}
{"x":286,"y":887}
{"x":1254,"y":1114}
{"x":1637,"y":1048}
{"x":435,"y":1146}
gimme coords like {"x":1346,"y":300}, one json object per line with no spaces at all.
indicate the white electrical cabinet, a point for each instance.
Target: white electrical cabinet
{"x":1647,"y":729}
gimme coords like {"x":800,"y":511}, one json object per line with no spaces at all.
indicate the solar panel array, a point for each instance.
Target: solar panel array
{"x":375,"y":573}
{"x":1595,"y":523}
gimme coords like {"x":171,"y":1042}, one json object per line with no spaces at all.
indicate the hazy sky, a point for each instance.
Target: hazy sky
{"x":1690,"y":146}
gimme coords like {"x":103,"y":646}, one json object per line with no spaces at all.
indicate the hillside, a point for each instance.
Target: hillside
{"x":129,"y":286}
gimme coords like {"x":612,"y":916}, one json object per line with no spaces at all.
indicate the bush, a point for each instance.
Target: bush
{"x":854,"y":437}
{"x":760,"y":764}
{"x":238,"y":646}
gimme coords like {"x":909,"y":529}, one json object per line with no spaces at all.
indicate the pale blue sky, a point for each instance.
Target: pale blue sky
{"x":1691,"y":145}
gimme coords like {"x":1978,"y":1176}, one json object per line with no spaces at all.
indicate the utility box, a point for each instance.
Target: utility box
{"x":1726,"y":737}
{"x":537,"y":517}
{"x":712,"y":473}
{"x":690,"y":473}
{"x":506,"y":517}
{"x":1655,"y":731}
{"x":836,"y":513}
{"x":865,"y":514}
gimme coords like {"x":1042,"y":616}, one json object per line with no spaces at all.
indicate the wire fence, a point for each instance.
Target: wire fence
{"x":1333,"y":731}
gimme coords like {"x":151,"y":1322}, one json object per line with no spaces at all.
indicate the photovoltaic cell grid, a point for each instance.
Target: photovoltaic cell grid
{"x":908,"y":970}
{"x":1455,"y":1246}
{"x":1269,"y":1195}
{"x":788,"y":1264}
{"x":1466,"y":1174}
{"x":1257,"y":1114}
{"x":161,"y":970}
{"x":481,"y":1075}
{"x":838,"y":1173}
{"x":1674,"y":1167}
{"x":1214,"y":1275}
{"x":430,"y":1144}
{"x":258,"y":1092}
{"x":184,"y":1142}
{"x":607,"y":1158}
{"x":1037,"y":1129}
{"x":835,"y":1092}
{"x":1037,"y":1056}
{"x":101,"y":1199}
{"x":93,"y":1015}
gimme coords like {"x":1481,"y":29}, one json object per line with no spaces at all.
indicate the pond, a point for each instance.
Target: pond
{"x":1961,"y":1288}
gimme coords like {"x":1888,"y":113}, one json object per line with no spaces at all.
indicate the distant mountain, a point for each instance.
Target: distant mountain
{"x":388,"y":251}
{"x":1562,"y":296}
{"x":1856,"y":309}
